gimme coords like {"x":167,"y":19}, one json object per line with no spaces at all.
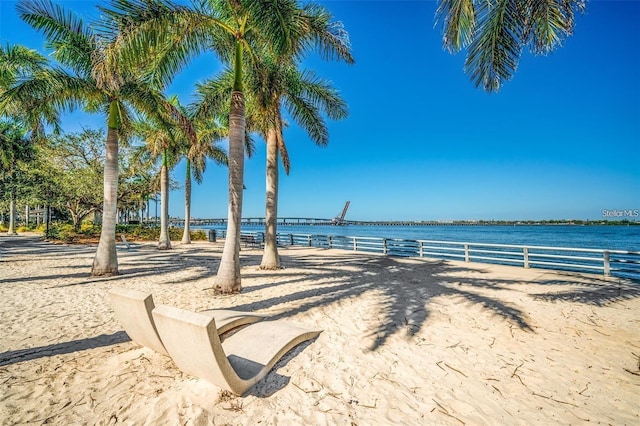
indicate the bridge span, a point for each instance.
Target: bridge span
{"x":306,"y":221}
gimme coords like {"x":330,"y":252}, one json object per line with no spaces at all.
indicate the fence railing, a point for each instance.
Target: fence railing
{"x":618,"y":263}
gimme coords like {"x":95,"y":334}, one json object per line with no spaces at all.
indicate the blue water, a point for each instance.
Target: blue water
{"x":596,"y":237}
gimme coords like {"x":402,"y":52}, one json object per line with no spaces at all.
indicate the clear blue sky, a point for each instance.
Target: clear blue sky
{"x":561,"y":140}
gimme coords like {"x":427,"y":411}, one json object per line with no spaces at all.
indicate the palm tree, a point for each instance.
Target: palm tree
{"x":229,"y":28}
{"x":161,"y":142}
{"x":19,"y":63}
{"x":101,"y":81}
{"x":496,"y":32}
{"x":196,"y":157}
{"x":15,"y":146}
{"x":274,"y":85}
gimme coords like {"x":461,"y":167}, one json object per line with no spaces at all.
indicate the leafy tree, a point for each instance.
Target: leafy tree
{"x":496,"y":32}
{"x":74,"y":163}
{"x":101,"y":81}
{"x":15,"y":147}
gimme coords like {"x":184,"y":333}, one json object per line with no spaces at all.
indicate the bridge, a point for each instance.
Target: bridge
{"x":306,"y":221}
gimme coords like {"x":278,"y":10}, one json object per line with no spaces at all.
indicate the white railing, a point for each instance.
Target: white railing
{"x":608,"y":262}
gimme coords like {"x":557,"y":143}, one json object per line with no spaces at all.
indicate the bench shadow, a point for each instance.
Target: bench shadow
{"x":21,"y":355}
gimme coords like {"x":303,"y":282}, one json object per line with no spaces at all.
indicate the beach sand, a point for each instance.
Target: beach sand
{"x":404,"y":341}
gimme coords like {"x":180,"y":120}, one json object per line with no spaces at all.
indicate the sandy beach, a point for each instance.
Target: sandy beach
{"x":404,"y":341}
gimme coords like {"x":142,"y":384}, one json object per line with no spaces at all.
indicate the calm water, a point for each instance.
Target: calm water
{"x":597,"y":237}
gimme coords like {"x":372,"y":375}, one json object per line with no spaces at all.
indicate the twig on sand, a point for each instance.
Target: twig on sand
{"x":497,"y":390}
{"x":514,"y":374}
{"x":585,"y":389}
{"x":554,"y":400}
{"x":635,"y":373}
{"x":438,"y":364}
{"x":306,"y":391}
{"x":375,"y":404}
{"x":454,"y":369}
{"x":446,"y":412}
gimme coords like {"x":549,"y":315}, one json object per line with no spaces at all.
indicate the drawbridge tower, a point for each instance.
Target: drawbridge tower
{"x":339,"y":220}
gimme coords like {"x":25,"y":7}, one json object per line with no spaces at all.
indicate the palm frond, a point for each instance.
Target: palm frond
{"x":458,"y":19}
{"x":327,"y":36}
{"x":158,"y":37}
{"x":74,"y":43}
{"x":17,"y":62}
{"x":321,"y":93}
{"x":307,"y":115}
{"x":551,"y":21}
{"x":494,"y":54}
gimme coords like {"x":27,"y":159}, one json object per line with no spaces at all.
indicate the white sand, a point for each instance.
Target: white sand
{"x":405,"y":341}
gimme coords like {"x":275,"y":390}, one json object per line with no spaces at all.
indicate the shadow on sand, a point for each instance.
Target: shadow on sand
{"x":408,"y":287}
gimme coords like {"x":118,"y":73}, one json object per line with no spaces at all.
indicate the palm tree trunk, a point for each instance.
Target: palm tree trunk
{"x":165,"y":242}
{"x":270,"y":258}
{"x":105,"y":261}
{"x":228,"y":278}
{"x":186,"y":236}
{"x":12,"y":213}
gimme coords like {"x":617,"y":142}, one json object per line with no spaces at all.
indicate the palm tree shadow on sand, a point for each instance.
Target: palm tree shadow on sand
{"x":410,"y":287}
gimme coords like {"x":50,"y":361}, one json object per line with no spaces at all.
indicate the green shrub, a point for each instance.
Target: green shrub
{"x":66,"y":233}
{"x":62,"y":231}
{"x":3,"y":228}
{"x":23,"y":228}
{"x":199,"y":235}
{"x":90,"y":230}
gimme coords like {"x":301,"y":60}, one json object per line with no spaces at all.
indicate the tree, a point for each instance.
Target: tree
{"x":496,"y":32}
{"x":101,"y":81}
{"x":75,"y":165}
{"x":19,"y":63}
{"x":273,"y":85}
{"x":15,"y":147}
{"x":196,"y":156}
{"x":175,"y":33}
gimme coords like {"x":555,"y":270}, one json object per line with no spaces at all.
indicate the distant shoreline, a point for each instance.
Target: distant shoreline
{"x":324,"y":222}
{"x":497,"y":222}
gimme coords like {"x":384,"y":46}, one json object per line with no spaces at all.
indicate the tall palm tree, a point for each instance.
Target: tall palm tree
{"x":496,"y":32}
{"x":271,"y":86}
{"x":102,"y":82}
{"x":229,"y":28}
{"x":162,"y":142}
{"x":196,"y":156}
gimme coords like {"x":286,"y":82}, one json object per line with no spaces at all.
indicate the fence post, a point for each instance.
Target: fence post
{"x":355,"y":244}
{"x":525,"y":256}
{"x":421,"y":249}
{"x":384,"y":246}
{"x":607,"y":265}
{"x":330,"y":241}
{"x":466,"y":253}
{"x":309,"y":240}
{"x":291,"y":238}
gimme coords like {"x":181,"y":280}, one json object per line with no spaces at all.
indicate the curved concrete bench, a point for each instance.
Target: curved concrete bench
{"x":133,"y":311}
{"x":237,"y":363}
